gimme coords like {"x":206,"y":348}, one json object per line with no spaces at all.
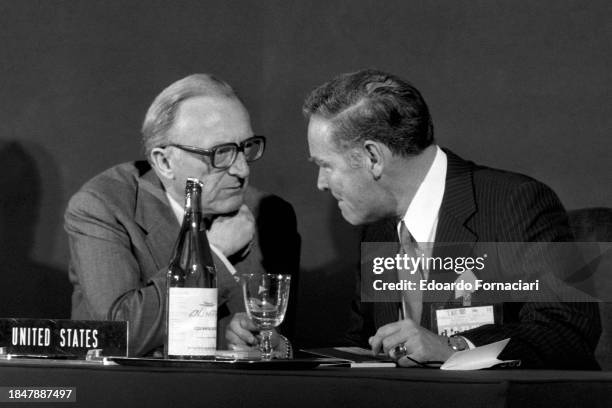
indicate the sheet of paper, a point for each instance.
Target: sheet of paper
{"x":477,"y":358}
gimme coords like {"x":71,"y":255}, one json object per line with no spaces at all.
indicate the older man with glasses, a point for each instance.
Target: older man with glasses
{"x":123,"y":223}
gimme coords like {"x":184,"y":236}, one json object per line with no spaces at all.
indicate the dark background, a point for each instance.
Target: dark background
{"x":520,"y":85}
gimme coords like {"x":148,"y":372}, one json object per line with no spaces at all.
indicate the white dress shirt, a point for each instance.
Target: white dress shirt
{"x":421,"y":217}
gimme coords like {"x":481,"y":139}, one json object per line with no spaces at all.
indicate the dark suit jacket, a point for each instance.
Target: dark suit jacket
{"x":122,"y":231}
{"x":482,"y":205}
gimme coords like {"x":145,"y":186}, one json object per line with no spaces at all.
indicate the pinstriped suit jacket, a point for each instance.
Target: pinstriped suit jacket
{"x":481,"y":204}
{"x":122,"y":231}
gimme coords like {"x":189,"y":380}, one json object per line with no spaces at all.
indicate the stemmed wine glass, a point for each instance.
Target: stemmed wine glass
{"x":265,"y":300}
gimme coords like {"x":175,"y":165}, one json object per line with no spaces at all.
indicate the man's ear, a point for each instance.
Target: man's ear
{"x":161,"y":162}
{"x":376,"y":156}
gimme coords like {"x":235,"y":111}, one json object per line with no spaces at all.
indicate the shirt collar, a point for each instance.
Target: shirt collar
{"x":421,"y":217}
{"x":177,"y":209}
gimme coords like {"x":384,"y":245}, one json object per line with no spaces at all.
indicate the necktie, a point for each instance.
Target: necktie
{"x":412,"y":300}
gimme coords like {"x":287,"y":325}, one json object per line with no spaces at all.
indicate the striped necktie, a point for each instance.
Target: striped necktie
{"x":412,"y":300}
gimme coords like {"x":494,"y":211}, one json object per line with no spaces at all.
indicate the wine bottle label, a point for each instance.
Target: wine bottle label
{"x":192,"y":321}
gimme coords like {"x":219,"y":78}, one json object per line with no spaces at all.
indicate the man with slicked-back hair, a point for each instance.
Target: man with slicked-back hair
{"x":371,"y":135}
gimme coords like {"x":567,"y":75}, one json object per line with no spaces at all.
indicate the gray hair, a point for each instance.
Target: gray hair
{"x":375,"y":105}
{"x":161,"y":114}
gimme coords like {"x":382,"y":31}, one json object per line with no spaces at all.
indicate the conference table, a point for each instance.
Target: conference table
{"x":97,"y":385}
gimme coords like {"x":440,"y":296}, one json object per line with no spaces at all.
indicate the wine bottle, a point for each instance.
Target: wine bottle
{"x":191,"y":301}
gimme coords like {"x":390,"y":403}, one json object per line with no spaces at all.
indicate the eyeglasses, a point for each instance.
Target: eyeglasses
{"x":224,"y":155}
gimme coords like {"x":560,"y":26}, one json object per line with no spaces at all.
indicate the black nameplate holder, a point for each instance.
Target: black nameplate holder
{"x":62,"y":338}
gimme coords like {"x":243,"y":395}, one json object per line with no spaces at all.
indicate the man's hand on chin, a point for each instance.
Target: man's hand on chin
{"x":232,"y":234}
{"x":421,"y":344}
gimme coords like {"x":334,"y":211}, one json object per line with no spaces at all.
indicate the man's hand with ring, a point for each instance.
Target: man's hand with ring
{"x":420,"y":344}
{"x":398,"y":352}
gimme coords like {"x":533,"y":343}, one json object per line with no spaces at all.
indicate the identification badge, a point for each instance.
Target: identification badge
{"x":460,"y":319}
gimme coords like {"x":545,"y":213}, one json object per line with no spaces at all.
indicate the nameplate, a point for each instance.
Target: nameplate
{"x":62,"y":337}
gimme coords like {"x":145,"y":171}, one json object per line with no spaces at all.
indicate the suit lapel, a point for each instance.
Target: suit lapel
{"x":454,"y":238}
{"x":155,"y":217}
{"x":458,"y":203}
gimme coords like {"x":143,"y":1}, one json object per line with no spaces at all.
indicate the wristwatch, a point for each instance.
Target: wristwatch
{"x":457,"y":343}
